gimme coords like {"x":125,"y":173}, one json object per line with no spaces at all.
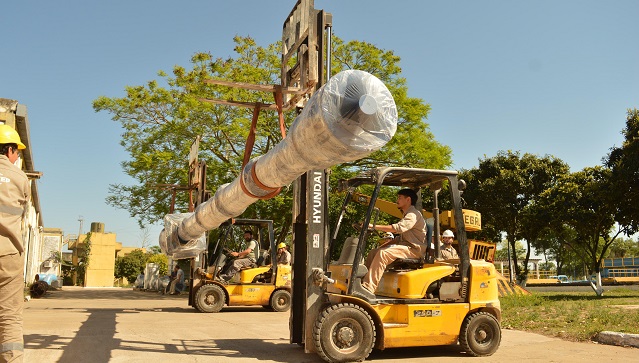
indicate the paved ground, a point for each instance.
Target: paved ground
{"x":122,"y":325}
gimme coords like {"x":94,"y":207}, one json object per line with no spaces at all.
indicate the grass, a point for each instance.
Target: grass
{"x":577,"y":316}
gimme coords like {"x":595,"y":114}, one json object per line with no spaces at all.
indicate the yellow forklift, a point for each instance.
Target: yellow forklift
{"x":419,"y":302}
{"x":267,"y":283}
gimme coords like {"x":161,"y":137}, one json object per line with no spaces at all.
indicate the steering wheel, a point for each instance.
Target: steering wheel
{"x":358,"y":227}
{"x":372,"y":232}
{"x":227,"y":253}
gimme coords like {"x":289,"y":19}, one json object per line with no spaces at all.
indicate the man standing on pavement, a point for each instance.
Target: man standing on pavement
{"x":15,"y":192}
{"x":409,"y":244}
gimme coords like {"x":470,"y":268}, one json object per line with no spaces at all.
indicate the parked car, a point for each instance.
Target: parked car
{"x":562,"y":278}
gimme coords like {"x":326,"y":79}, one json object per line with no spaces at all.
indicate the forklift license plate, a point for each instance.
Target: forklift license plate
{"x":427,"y":313}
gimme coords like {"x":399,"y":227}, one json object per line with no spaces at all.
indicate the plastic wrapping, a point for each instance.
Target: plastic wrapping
{"x":170,"y":245}
{"x":347,"y":119}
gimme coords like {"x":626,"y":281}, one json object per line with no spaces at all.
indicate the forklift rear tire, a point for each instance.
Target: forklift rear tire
{"x":480,"y":334}
{"x":281,"y":300}
{"x":344,"y":333}
{"x":209,"y":299}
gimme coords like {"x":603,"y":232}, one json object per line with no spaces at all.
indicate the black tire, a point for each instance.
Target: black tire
{"x":480,"y":334}
{"x":38,"y":289}
{"x":344,"y":333}
{"x":209,"y":299}
{"x":281,"y":300}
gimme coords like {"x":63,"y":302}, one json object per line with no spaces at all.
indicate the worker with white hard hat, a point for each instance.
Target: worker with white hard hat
{"x":446,"y":251}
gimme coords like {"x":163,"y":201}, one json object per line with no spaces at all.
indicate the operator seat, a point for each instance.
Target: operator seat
{"x":348,"y":251}
{"x":348,"y":256}
{"x":261,"y":258}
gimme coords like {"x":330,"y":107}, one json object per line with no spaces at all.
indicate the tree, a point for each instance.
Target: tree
{"x":624,"y":163}
{"x":161,"y":260}
{"x":550,"y":243}
{"x":145,"y":237}
{"x":548,"y":266}
{"x":160,"y":124}
{"x":84,"y":253}
{"x":583,"y":202}
{"x":130,"y":265}
{"x":501,"y":253}
{"x":504,"y":189}
{"x":622,"y":247}
{"x":154,"y":250}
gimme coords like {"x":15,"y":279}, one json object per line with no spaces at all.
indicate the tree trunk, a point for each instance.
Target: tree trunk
{"x":514,"y":257}
{"x":596,"y":285}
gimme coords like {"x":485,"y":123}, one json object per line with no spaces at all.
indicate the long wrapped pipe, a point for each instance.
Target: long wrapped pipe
{"x":350,"y":117}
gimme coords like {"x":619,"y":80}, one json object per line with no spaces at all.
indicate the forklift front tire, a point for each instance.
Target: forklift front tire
{"x":209,"y":299}
{"x":480,"y":334}
{"x":344,"y":333}
{"x":281,"y":300}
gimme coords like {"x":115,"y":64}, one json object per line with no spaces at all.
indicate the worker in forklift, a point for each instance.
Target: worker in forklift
{"x":245,"y":258}
{"x":447,"y":251}
{"x":283,"y":256}
{"x":409,"y":244}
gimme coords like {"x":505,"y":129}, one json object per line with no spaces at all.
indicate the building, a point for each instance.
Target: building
{"x":48,"y":261}
{"x":100,"y":250}
{"x":620,"y":267}
{"x":15,"y":115}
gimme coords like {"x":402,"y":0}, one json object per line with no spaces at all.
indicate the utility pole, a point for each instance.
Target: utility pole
{"x":81,"y":220}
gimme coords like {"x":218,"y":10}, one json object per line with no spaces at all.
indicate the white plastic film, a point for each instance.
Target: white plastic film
{"x":347,"y":119}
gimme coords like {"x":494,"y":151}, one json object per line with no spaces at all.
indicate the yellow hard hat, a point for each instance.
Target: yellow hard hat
{"x":8,"y":135}
{"x":281,"y":245}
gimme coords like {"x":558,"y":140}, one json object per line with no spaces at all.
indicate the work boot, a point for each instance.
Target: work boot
{"x":363,"y":293}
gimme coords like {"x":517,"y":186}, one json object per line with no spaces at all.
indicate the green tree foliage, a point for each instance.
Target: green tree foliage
{"x":624,"y":162}
{"x":504,"y":188}
{"x":622,"y":247}
{"x":160,"y":123}
{"x":502,"y":251}
{"x":80,"y":269}
{"x":582,"y":202}
{"x":548,"y":266}
{"x":154,"y":250}
{"x":551,"y":244}
{"x":161,"y":260}
{"x":130,"y":265}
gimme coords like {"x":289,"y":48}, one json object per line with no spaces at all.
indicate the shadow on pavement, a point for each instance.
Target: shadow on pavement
{"x":83,"y":347}
{"x":72,"y":292}
{"x":418,"y":352}
{"x":96,"y":340}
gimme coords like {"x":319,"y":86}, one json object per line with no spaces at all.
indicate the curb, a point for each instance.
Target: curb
{"x":614,"y":338}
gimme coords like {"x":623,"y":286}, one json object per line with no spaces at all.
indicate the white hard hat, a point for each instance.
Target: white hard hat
{"x":448,"y":233}
{"x":388,"y":235}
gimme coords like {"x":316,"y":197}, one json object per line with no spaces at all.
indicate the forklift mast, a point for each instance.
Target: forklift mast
{"x":310,"y":194}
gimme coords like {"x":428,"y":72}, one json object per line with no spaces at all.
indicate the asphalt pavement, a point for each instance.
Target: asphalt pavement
{"x":122,"y":325}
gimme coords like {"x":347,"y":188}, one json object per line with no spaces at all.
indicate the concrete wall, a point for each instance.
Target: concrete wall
{"x":100,"y":272}
{"x":104,"y":249}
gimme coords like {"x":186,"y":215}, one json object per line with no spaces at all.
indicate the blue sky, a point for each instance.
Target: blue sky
{"x":543,"y":77}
